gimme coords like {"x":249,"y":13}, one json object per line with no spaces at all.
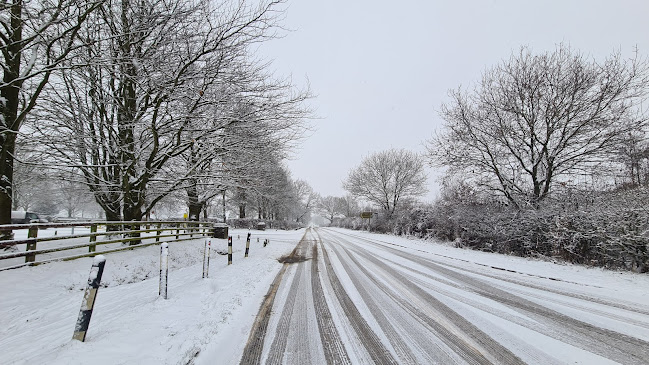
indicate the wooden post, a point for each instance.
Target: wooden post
{"x":157,"y":233}
{"x":88,"y":302}
{"x":31,"y":245}
{"x":93,"y":229}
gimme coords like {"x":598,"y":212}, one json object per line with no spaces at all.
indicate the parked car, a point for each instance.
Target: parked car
{"x":24,"y":217}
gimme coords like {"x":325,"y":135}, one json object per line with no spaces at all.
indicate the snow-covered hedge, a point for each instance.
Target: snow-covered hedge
{"x":608,"y":229}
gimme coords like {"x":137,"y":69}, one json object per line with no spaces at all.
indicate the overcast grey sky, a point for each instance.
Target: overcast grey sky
{"x":381,"y":69}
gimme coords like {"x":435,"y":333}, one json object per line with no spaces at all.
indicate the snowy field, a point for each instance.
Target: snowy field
{"x":207,"y":321}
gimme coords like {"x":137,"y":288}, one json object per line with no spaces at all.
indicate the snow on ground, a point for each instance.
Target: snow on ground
{"x":131,"y":324}
{"x":205,"y":320}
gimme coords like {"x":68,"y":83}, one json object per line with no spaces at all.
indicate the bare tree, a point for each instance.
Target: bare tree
{"x":349,"y":206}
{"x":250,"y":135}
{"x":156,"y":73}
{"x":535,"y":120}
{"x":633,"y":153}
{"x":36,"y":37}
{"x":330,"y":206}
{"x":275,"y":191}
{"x":306,"y":200}
{"x":384,"y":178}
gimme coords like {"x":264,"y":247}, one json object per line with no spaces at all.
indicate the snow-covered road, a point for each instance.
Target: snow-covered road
{"x":355,"y":298}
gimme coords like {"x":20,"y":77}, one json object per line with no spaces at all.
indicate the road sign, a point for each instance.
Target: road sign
{"x":366,"y":214}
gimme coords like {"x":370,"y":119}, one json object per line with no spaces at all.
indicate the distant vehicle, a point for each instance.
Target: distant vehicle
{"x":23,"y":217}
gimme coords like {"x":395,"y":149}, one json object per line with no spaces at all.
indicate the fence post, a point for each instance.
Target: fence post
{"x":206,"y":258}
{"x":93,"y":229}
{"x":230,"y":250}
{"x":247,"y":244}
{"x":157,"y":233}
{"x":88,"y":302}
{"x":31,"y":245}
{"x":164,"y":269}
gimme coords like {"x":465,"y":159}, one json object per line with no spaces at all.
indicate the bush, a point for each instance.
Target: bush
{"x":607,"y":229}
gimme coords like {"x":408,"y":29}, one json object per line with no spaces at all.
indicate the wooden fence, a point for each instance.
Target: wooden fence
{"x":111,"y":234}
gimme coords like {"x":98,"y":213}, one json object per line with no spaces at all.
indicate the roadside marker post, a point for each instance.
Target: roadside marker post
{"x":88,"y":302}
{"x":164,"y":269}
{"x":247,"y":244}
{"x":206,"y":258}
{"x":230,"y":250}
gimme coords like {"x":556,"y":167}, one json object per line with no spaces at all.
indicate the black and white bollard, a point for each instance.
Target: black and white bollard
{"x":206,"y":258}
{"x":230,"y":250}
{"x":88,"y":302}
{"x":247,"y":244}
{"x":266,"y":241}
{"x":164,"y":269}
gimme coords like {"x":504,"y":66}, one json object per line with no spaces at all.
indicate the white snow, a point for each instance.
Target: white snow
{"x":130,"y":323}
{"x":210,"y":319}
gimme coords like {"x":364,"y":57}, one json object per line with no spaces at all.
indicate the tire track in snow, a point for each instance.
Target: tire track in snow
{"x":461,"y":336}
{"x":253,"y":350}
{"x":278,"y":347}
{"x":304,"y":312}
{"x":603,"y":342}
{"x":403,"y":351}
{"x":624,"y":306}
{"x":299,"y":335}
{"x":335,"y":352}
{"x":377,"y":351}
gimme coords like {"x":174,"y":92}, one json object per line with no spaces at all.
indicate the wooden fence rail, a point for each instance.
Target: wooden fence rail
{"x":107,"y":232}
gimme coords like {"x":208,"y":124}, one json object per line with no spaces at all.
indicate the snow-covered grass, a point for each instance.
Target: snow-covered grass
{"x":131,"y":324}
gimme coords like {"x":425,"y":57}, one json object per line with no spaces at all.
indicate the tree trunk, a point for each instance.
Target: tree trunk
{"x":6,"y":179}
{"x":9,"y":105}
{"x":242,"y":211}
{"x":132,"y":212}
{"x":224,"y":206}
{"x":193,"y":203}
